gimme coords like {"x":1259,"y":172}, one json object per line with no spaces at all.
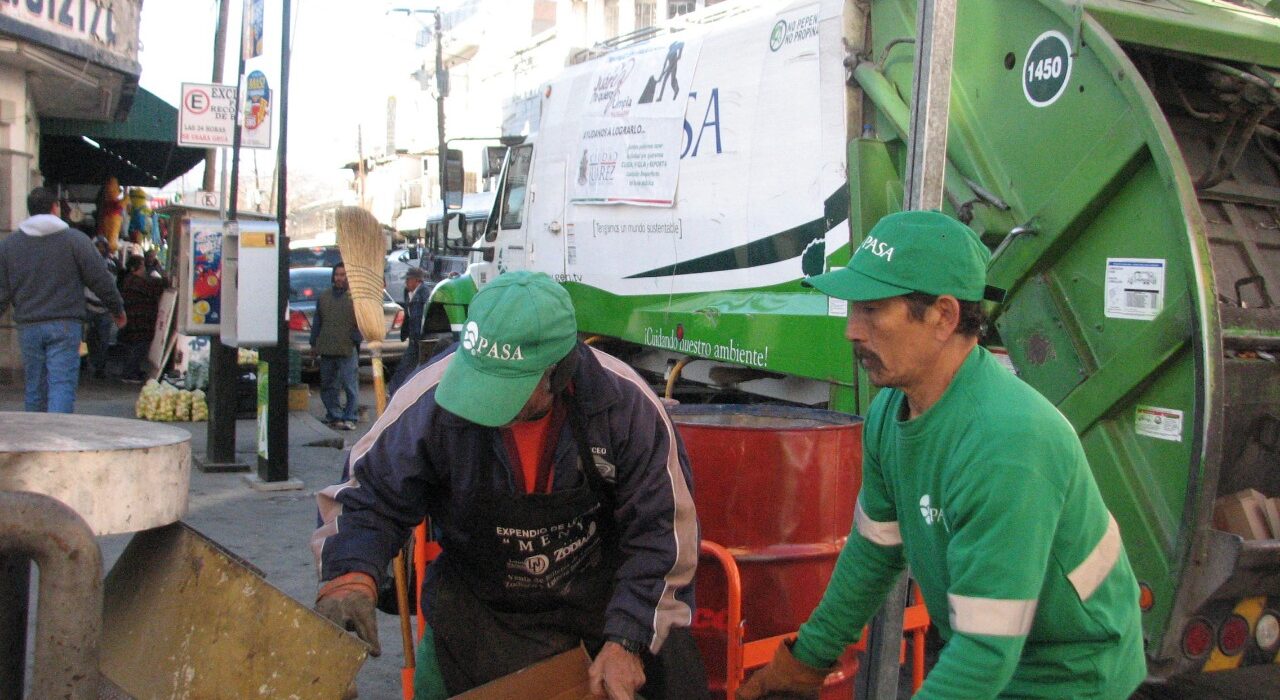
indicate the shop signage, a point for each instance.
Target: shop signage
{"x":255,"y":126}
{"x":207,"y":115}
{"x":109,"y":25}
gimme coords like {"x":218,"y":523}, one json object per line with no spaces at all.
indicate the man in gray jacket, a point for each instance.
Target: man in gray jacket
{"x":44,"y":269}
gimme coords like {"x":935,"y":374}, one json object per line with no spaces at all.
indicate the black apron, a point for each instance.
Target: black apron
{"x":534,"y":581}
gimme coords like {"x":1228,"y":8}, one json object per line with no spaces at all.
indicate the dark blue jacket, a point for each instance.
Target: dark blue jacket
{"x":420,"y":460}
{"x":413,"y":306}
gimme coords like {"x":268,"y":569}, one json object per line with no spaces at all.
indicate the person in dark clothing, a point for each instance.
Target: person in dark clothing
{"x":414,"y":304}
{"x":562,"y":499}
{"x":152,"y":263}
{"x":336,"y":338}
{"x":44,"y":269}
{"x":141,"y":294}
{"x":101,"y":330}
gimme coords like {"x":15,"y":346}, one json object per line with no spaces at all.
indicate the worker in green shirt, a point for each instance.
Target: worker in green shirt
{"x":978,"y":483}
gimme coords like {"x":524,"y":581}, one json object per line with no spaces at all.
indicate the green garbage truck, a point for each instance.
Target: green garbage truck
{"x":1120,"y":158}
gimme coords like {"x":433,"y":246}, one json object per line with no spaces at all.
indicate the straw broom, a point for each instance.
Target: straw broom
{"x":361,"y":245}
{"x":360,"y":242}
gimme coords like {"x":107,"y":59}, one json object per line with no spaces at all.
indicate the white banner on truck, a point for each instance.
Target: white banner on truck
{"x":629,"y":148}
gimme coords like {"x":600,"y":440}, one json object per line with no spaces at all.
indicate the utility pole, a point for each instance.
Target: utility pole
{"x":360,"y":164}
{"x":220,"y":440}
{"x":442,"y":85}
{"x":219,"y":57}
{"x":275,"y":468}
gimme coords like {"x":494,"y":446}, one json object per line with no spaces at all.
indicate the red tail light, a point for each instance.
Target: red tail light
{"x":1197,"y":638}
{"x":298,"y":321}
{"x":395,"y":325}
{"x":1233,"y":635}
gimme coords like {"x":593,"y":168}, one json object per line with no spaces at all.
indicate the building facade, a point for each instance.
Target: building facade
{"x":58,"y":60}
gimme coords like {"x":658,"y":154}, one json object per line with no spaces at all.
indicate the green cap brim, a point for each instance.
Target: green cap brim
{"x":851,"y":285}
{"x":482,"y":398}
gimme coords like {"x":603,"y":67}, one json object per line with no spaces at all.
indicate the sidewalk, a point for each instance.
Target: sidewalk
{"x":271,"y":529}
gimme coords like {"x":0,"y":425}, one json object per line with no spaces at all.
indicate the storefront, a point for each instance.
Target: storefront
{"x":71,"y":112}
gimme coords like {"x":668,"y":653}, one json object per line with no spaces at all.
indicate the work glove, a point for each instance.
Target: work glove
{"x":784,"y":677}
{"x":348,"y":601}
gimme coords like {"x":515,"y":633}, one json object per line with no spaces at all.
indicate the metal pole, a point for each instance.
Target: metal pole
{"x":930,"y":101}
{"x":219,"y":57}
{"x":276,"y":466}
{"x":224,"y":373}
{"x":923,"y":189}
{"x":437,"y":242}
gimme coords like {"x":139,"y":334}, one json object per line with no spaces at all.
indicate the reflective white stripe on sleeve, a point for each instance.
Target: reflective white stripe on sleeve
{"x":991,"y":616}
{"x":886,"y":534}
{"x":1095,"y":567}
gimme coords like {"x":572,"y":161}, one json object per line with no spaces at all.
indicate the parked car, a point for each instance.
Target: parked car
{"x":313,"y":255}
{"x":307,"y":283}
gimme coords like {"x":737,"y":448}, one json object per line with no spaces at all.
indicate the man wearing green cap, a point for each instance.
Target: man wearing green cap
{"x":560,"y":495}
{"x":978,"y":483}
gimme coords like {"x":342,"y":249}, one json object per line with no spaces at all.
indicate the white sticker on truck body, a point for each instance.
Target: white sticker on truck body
{"x":1160,"y":423}
{"x":1134,"y":288}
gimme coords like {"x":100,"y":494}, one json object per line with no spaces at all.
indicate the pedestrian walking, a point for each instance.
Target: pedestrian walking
{"x":100,"y":328}
{"x":44,"y":269}
{"x":336,"y":339}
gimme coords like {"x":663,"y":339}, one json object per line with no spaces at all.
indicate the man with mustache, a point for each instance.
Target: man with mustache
{"x":978,"y":483}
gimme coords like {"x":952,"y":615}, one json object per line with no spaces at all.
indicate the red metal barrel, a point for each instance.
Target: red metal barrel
{"x":775,"y":485}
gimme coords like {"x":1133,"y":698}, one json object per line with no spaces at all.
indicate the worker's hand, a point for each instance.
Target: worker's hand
{"x":784,"y":676}
{"x":348,"y":601}
{"x":616,"y":673}
{"x":121,"y":319}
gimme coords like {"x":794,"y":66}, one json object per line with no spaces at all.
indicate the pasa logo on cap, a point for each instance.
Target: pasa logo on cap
{"x":877,"y":248}
{"x":474,"y":342}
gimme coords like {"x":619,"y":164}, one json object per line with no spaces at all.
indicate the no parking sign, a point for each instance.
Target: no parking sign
{"x":207,"y":115}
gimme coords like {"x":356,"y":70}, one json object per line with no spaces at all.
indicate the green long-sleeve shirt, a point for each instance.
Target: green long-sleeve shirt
{"x":990,"y":498}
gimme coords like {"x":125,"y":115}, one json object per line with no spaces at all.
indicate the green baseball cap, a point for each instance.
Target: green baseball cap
{"x":913,"y":251}
{"x":520,"y":324}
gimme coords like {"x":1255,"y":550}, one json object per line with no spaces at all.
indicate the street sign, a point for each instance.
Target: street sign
{"x":207,"y":114}
{"x":211,"y":200}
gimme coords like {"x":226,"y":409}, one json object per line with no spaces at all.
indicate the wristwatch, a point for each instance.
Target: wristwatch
{"x":630,"y":645}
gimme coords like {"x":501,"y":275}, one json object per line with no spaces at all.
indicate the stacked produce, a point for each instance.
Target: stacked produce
{"x":165,"y":402}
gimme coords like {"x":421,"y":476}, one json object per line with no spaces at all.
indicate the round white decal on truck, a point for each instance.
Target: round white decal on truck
{"x":1046,"y":69}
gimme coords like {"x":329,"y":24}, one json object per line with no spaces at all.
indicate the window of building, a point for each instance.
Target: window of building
{"x":675,"y":8}
{"x":646,"y":13}
{"x":610,"y":18}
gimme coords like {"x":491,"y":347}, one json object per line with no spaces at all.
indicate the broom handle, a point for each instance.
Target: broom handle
{"x":379,"y":384}
{"x":401,"y":575}
{"x":398,"y":567}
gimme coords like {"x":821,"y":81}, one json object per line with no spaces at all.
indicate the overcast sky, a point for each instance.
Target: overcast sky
{"x":347,"y":58}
